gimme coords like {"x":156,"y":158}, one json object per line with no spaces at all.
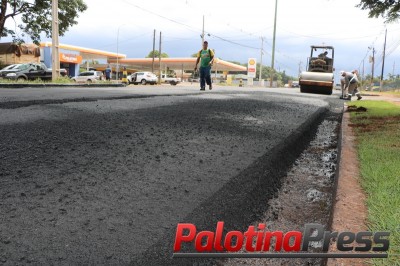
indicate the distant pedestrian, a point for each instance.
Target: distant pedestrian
{"x":350,"y":84}
{"x":108,"y":73}
{"x":206,"y":56}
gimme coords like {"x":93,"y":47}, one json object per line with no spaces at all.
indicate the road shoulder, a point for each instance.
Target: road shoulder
{"x":349,"y":211}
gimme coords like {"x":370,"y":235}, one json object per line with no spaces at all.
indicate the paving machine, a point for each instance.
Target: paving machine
{"x":319,"y":76}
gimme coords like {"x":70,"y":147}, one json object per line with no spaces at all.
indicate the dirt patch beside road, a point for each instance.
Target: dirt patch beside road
{"x":349,"y":212}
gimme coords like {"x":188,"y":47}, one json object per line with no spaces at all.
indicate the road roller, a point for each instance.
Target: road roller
{"x":319,"y":77}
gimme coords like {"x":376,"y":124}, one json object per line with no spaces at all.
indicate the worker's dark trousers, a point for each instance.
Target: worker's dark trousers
{"x":205,"y":76}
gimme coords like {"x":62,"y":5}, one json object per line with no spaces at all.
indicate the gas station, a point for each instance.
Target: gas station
{"x":72,"y":57}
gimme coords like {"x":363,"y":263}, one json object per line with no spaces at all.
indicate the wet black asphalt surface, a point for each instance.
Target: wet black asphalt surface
{"x":107,"y":181}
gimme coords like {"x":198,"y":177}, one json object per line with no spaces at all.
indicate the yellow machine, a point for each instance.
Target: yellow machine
{"x":319,"y":76}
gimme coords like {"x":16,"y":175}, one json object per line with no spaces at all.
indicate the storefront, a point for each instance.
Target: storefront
{"x":71,"y":63}
{"x":72,"y":57}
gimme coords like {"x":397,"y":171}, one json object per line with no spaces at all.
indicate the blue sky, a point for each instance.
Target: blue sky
{"x":235,"y":30}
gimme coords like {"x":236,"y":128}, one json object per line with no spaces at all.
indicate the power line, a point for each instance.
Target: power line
{"x":392,"y":47}
{"x":126,"y":40}
{"x":326,"y":34}
{"x":233,"y":42}
{"x":163,"y":17}
{"x":194,"y":29}
{"x":229,"y":24}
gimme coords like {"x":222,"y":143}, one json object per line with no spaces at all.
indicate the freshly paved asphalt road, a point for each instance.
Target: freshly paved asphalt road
{"x":103,"y":176}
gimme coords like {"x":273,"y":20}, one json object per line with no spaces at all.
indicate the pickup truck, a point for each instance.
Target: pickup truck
{"x":171,"y":80}
{"x":30,"y":71}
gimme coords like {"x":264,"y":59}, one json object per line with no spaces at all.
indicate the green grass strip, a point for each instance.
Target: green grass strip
{"x":378,"y":145}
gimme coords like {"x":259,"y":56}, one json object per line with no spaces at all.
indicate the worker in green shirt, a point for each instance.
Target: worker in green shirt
{"x":207,"y":56}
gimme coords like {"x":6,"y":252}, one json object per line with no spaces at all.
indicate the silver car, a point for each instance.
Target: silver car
{"x":88,"y":76}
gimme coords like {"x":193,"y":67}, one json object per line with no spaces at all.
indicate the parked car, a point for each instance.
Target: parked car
{"x":11,"y":69}
{"x":142,"y":78}
{"x":8,"y":69}
{"x":295,"y":84}
{"x":30,"y":71}
{"x":170,"y":79}
{"x":88,"y":76}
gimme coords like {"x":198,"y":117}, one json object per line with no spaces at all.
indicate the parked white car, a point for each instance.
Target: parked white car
{"x":88,"y":76}
{"x":142,"y":78}
{"x":170,"y":79}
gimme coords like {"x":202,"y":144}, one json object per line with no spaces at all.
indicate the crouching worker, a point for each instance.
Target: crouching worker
{"x":350,"y":85}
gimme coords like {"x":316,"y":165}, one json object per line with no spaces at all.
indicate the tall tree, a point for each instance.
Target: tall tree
{"x":156,"y":54}
{"x":35,"y":17}
{"x":388,"y":9}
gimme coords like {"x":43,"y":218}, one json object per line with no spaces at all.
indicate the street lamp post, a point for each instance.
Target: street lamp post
{"x":261,"y":56}
{"x":372,"y":60}
{"x":117,"y":70}
{"x":383,"y":62}
{"x":273,"y":46}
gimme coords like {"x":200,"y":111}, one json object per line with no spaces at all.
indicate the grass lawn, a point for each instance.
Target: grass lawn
{"x":378,"y":145}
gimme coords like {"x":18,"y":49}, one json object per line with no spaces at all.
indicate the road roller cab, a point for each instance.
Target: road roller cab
{"x":319,"y":75}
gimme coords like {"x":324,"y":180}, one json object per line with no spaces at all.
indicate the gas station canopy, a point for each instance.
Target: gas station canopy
{"x":145,"y":64}
{"x":86,"y":53}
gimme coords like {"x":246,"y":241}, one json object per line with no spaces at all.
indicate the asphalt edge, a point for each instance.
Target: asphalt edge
{"x":26,"y":103}
{"x":282,"y":155}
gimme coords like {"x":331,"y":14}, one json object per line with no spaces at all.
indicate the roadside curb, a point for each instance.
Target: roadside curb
{"x":346,"y":181}
{"x":338,"y":166}
{"x":51,"y":85}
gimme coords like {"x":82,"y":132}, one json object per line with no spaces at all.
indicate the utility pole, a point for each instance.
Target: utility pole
{"x":373,"y":66}
{"x":202,"y":34}
{"x":55,"y":52}
{"x":363,"y":70}
{"x":300,"y":68}
{"x":154,"y":48}
{"x":159,"y":61}
{"x":394,"y":64}
{"x":383,"y":62}
{"x":261,"y":56}
{"x":273,"y":46}
{"x":117,"y":68}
